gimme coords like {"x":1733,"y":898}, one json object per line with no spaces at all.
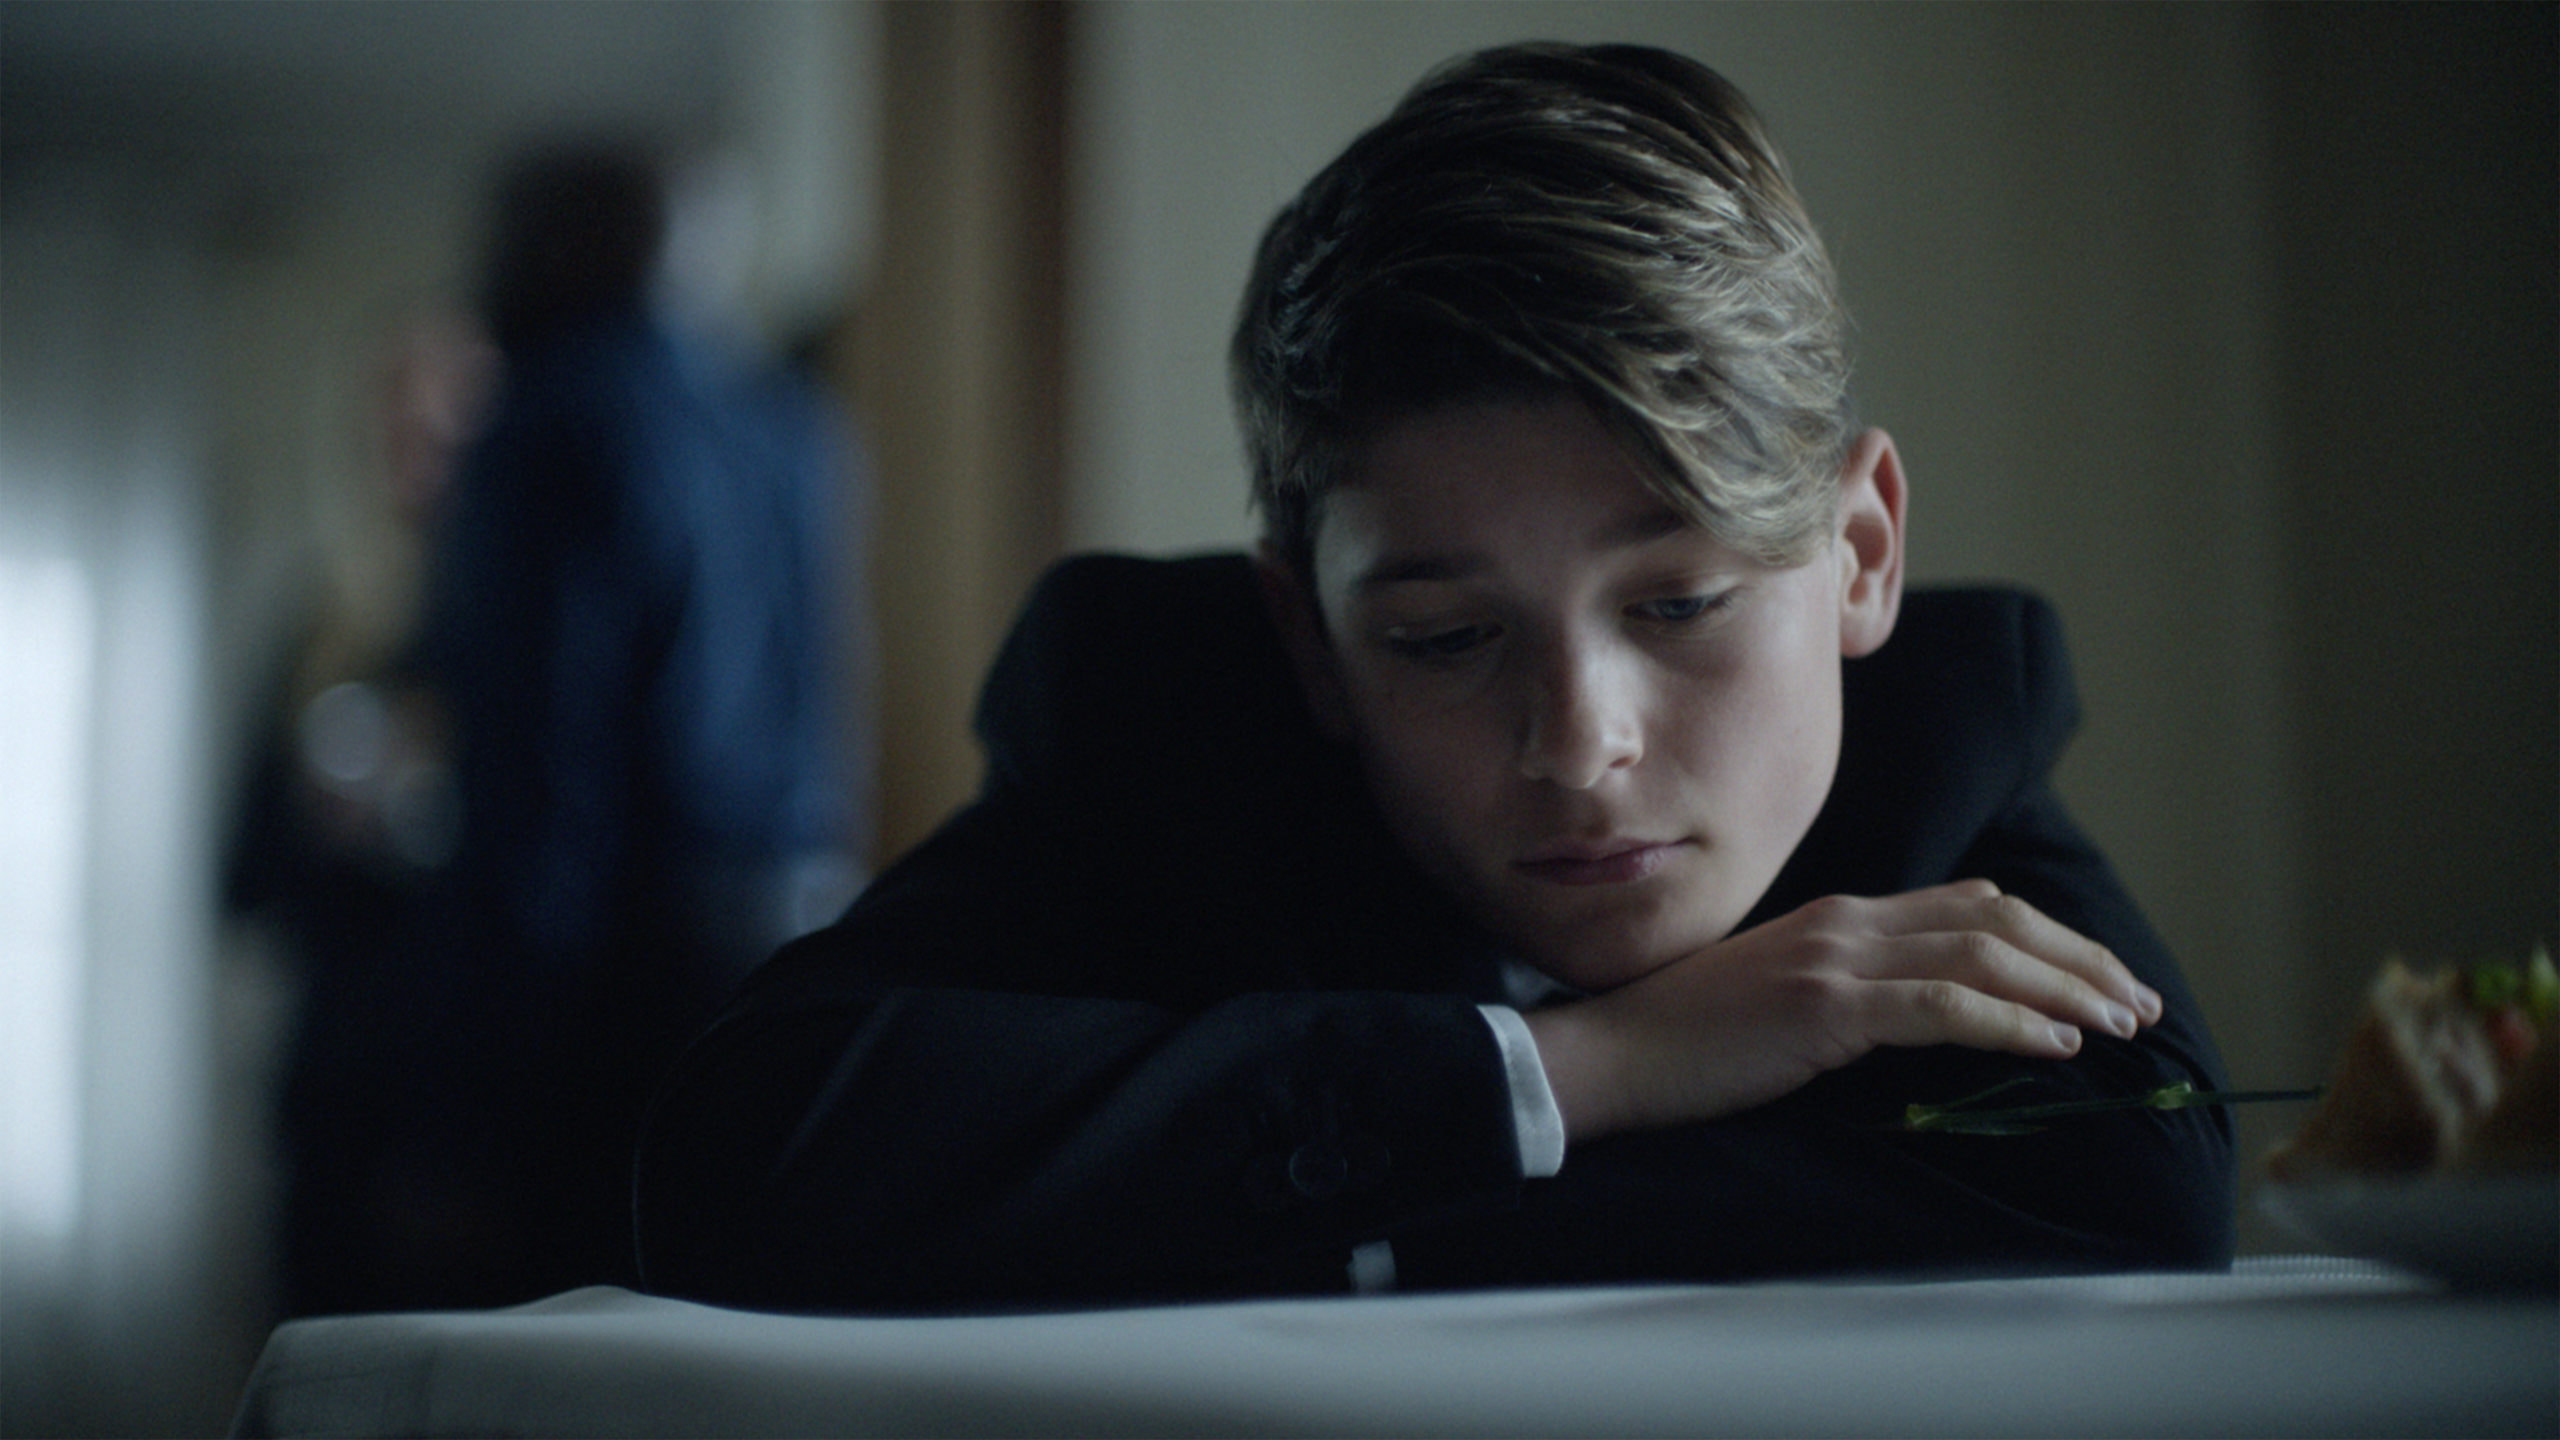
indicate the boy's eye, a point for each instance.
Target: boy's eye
{"x":1682,"y":609}
{"x":1444,"y":644}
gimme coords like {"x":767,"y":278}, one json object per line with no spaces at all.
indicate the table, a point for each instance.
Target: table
{"x":2289,"y":1346}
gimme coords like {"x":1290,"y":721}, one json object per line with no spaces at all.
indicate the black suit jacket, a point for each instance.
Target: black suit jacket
{"x":1166,"y":1014}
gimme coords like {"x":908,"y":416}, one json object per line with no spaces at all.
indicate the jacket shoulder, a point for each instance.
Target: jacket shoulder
{"x":1963,"y":710}
{"x":1978,"y":667}
{"x":1121,"y":666}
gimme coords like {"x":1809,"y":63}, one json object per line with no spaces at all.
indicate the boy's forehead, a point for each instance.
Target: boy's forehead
{"x":1389,"y":558}
{"x":1421,"y":496}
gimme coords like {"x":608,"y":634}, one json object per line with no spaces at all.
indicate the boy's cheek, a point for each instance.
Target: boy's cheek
{"x":1425,"y":793}
{"x":1423,"y":748}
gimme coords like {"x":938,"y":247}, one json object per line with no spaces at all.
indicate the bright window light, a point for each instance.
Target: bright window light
{"x":47,"y":642}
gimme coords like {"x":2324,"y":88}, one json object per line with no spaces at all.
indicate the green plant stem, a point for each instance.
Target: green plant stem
{"x":1959,"y":1118}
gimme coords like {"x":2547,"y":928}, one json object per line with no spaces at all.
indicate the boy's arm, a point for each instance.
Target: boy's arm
{"x":1827,"y":1180}
{"x":1762,"y":1012}
{"x":913,"y":1111}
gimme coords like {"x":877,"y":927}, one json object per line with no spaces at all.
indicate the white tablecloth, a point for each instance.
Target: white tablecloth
{"x":2284,"y":1347}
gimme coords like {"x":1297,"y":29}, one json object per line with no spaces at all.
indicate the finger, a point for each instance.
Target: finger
{"x":2037,"y":933}
{"x":1968,"y":889}
{"x":1934,"y":908}
{"x":1958,"y":904}
{"x":1979,"y":960}
{"x":1954,"y":908}
{"x":1942,"y":1012}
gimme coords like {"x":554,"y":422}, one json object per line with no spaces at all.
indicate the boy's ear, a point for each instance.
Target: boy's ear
{"x":1292,"y":606}
{"x":1869,"y":542}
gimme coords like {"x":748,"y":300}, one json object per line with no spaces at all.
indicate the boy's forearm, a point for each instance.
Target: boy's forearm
{"x":1825,"y":1182}
{"x":1576,"y":1050}
{"x":1090,"y":1150}
{"x":1759,"y":1013}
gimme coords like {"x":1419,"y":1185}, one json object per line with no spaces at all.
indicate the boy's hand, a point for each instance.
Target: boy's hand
{"x":1759,"y":1013}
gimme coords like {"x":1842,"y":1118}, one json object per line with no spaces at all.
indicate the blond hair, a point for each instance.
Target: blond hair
{"x":1608,"y":222}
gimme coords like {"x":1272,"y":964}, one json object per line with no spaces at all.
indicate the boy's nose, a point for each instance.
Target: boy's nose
{"x":1582,"y":721}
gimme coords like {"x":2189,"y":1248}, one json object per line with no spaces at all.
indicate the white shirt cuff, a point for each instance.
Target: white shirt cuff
{"x":1535,"y":1120}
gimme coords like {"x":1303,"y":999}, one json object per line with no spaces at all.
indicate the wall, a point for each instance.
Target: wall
{"x":2414,"y":177}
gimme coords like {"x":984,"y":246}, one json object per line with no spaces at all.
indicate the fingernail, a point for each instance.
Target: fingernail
{"x":2066,"y":1036}
{"x":2120,"y":1022}
{"x":2149,"y":1001}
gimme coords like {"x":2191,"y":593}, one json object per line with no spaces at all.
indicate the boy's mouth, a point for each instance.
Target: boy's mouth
{"x":1604,"y":862}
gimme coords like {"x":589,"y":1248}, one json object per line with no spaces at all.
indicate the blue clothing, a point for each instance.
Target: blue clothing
{"x":634,"y":627}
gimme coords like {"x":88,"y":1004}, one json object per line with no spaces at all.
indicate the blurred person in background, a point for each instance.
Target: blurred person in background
{"x":632,"y":623}
{"x":631,"y":637}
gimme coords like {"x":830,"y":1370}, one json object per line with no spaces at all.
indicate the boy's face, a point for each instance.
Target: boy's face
{"x":1603,"y":729}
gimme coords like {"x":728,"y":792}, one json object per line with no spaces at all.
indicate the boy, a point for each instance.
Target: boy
{"x":1457,"y":893}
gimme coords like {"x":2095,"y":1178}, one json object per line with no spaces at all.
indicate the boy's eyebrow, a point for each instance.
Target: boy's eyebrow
{"x":1408,"y":569}
{"x":1640,"y":528}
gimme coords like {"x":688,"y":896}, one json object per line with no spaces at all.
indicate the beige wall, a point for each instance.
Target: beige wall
{"x":2418,"y":294}
{"x":2079,"y":279}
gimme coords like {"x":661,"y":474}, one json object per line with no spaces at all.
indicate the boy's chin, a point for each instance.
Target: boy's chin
{"x":1602,"y":959}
